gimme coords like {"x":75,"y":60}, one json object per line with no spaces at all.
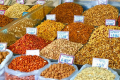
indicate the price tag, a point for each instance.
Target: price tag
{"x":102,"y":2}
{"x":41,"y":2}
{"x":66,"y":59}
{"x":97,"y":62}
{"x":111,"y":22}
{"x":51,"y":17}
{"x":3,"y":46}
{"x":78,"y":18}
{"x":31,"y":31}
{"x":20,"y":1}
{"x":2,"y":2}
{"x":24,"y":13}
{"x":2,"y":12}
{"x":69,"y":0}
{"x":33,"y":52}
{"x":63,"y":35}
{"x":114,"y":33}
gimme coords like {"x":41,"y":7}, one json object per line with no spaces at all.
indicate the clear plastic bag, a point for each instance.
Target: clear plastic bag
{"x":38,"y":77}
{"x":13,"y":75}
{"x":87,"y":65}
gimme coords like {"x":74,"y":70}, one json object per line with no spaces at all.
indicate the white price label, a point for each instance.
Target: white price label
{"x":63,"y":35}
{"x":20,"y":1}
{"x":102,"y":2}
{"x":97,"y":62}
{"x":3,"y":46}
{"x":31,"y":31}
{"x":33,"y":52}
{"x":66,"y":59}
{"x":41,"y":2}
{"x":78,"y":18}
{"x":111,"y":22}
{"x":69,"y":0}
{"x":114,"y":33}
{"x":2,"y":2}
{"x":51,"y":17}
{"x":2,"y":12}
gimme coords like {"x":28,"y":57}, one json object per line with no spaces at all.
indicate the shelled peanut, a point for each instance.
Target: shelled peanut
{"x":3,"y":56}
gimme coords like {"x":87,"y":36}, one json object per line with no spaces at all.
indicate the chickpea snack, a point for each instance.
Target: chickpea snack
{"x":57,"y":71}
{"x":87,"y":72}
{"x":25,"y":67}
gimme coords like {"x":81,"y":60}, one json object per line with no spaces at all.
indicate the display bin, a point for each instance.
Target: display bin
{"x":32,"y":19}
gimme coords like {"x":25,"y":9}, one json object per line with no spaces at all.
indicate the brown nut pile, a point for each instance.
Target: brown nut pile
{"x":97,"y":15}
{"x":58,"y":71}
{"x":48,"y":29}
{"x":19,"y":28}
{"x":101,"y":46}
{"x":12,"y":77}
{"x":16,"y":10}
{"x":55,"y":48}
{"x":79,"y":32}
{"x":3,"y":56}
{"x":95,"y":73}
{"x":65,"y":12}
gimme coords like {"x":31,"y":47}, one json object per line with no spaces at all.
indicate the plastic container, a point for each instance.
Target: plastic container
{"x":38,"y":77}
{"x":87,"y":65}
{"x":17,"y":75}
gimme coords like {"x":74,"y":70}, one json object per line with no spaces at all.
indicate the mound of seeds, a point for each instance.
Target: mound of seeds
{"x":95,"y":73}
{"x":97,"y":15}
{"x":101,"y":46}
{"x":65,"y":12}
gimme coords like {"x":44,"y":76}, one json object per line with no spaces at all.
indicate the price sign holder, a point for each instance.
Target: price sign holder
{"x":105,"y":2}
{"x":20,"y":1}
{"x":68,"y":59}
{"x":41,"y":2}
{"x":32,"y":31}
{"x":3,"y":46}
{"x":69,"y":0}
{"x":114,"y":33}
{"x":63,"y":35}
{"x":51,"y":17}
{"x":111,"y":22}
{"x":2,"y":2}
{"x":78,"y":18}
{"x":97,"y":62}
{"x":2,"y":12}
{"x":33,"y":52}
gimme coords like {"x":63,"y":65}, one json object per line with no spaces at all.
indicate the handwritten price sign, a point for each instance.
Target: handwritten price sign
{"x":3,"y":46}
{"x":63,"y":35}
{"x":102,"y":2}
{"x":97,"y":62}
{"x":111,"y":22}
{"x":31,"y":31}
{"x":51,"y":17}
{"x":32,"y":52}
{"x":20,"y":1}
{"x":2,"y":12}
{"x":2,"y":2}
{"x":66,"y":59}
{"x":114,"y":33}
{"x":78,"y":18}
{"x":69,"y":0}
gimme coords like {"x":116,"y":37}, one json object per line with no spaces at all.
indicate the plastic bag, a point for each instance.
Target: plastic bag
{"x":38,"y":77}
{"x":87,"y":65}
{"x":17,"y":75}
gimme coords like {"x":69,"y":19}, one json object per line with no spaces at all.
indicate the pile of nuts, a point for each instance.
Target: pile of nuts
{"x":3,"y":56}
{"x":101,"y":46}
{"x":97,"y":15}
{"x":58,"y":71}
{"x":16,"y":10}
{"x":79,"y":32}
{"x":65,"y":12}
{"x":55,"y":48}
{"x":48,"y":29}
{"x":95,"y":73}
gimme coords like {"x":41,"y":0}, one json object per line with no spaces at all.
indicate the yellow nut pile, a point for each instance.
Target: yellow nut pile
{"x":101,"y":46}
{"x":48,"y":29}
{"x":95,"y":73}
{"x":3,"y":56}
{"x":55,"y":48}
{"x":97,"y":15}
{"x":16,"y":10}
{"x":18,"y":29}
